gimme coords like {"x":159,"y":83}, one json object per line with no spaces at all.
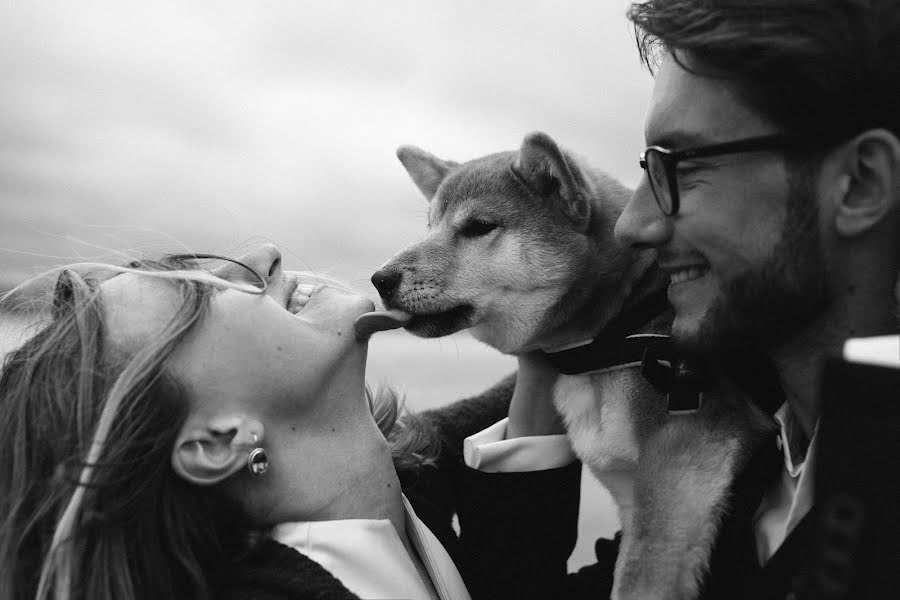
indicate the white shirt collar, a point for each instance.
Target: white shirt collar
{"x":368,"y":556}
{"x":791,"y":496}
{"x":791,"y":440}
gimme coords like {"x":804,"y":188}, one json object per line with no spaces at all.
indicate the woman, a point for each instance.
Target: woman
{"x":177,"y":432}
{"x":170,"y":427}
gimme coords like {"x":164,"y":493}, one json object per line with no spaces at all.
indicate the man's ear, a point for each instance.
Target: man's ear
{"x":211,"y":449}
{"x":427,"y":171}
{"x":545,"y":169}
{"x":866,"y":183}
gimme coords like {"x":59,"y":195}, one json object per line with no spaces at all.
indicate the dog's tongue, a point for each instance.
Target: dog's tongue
{"x":380,"y":320}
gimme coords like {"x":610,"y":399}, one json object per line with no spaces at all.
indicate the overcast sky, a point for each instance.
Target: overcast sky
{"x":169,"y":124}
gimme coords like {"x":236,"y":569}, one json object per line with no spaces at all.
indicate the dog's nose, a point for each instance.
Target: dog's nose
{"x":386,"y":281}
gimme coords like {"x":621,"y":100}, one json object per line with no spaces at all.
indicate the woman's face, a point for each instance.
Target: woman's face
{"x":278,"y":354}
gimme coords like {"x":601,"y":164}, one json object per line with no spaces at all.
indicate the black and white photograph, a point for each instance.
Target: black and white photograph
{"x":516,"y":299}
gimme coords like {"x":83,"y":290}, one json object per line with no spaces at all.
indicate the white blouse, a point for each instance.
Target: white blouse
{"x":368,"y":557}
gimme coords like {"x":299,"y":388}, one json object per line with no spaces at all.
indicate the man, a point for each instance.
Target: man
{"x":772,"y":196}
{"x":793,"y":247}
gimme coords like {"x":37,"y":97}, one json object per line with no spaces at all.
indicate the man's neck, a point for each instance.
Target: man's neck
{"x":799,"y":360}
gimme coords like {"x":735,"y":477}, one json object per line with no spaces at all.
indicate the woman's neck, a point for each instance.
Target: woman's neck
{"x":339,"y":466}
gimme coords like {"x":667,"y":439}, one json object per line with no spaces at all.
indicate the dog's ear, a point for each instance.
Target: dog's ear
{"x":551,"y":175}
{"x":427,"y":171}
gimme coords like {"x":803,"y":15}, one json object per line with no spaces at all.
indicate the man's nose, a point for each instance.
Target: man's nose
{"x":642,"y":224}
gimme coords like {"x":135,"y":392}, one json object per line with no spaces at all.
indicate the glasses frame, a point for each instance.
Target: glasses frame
{"x":671,"y":158}
{"x":263,"y":284}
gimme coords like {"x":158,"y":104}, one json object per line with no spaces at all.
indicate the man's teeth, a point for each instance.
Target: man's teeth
{"x":300,"y":297}
{"x":687,"y":274}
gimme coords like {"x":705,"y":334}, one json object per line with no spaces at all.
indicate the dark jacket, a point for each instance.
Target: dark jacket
{"x":518,"y":554}
{"x":519,"y":528}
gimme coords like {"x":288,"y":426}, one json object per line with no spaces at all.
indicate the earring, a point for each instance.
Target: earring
{"x":257,"y":461}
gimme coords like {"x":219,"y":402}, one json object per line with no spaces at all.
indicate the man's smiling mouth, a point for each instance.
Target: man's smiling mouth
{"x":683,"y":275}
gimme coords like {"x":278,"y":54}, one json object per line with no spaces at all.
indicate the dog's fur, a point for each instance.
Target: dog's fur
{"x":520,"y":250}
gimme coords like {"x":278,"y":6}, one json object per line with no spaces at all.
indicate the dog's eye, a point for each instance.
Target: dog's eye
{"x":477,"y":228}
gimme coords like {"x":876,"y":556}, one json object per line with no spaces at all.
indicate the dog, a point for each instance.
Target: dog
{"x":520,"y":251}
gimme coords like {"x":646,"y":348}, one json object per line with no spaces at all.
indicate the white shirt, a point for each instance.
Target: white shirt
{"x":491,"y":452}
{"x":369,"y":558}
{"x":790,"y":497}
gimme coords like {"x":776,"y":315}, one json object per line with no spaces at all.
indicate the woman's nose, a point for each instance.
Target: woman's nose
{"x":265,"y":260}
{"x":642,"y":224}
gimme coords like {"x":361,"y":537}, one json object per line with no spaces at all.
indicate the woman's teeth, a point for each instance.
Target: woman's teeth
{"x":300,"y":297}
{"x":687,"y":274}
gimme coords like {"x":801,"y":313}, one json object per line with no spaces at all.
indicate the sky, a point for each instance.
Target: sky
{"x":212,"y":126}
{"x":140,"y":128}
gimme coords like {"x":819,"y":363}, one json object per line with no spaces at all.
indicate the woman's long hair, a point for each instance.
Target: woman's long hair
{"x":90,"y":506}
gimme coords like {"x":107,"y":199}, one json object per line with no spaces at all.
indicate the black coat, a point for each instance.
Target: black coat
{"x":518,"y":529}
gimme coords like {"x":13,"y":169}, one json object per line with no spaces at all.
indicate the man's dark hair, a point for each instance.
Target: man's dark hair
{"x":819,"y":69}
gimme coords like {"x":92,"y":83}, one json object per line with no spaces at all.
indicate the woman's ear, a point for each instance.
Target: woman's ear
{"x":867,"y":187}
{"x":209,"y":450}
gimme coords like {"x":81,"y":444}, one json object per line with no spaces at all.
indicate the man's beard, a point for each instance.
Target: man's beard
{"x":762,"y":307}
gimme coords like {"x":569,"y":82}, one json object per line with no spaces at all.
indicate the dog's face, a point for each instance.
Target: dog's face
{"x":503,"y":246}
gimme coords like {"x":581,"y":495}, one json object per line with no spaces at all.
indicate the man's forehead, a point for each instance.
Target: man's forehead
{"x":687,"y":109}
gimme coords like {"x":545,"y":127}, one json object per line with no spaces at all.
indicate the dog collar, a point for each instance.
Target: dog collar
{"x":655,"y":353}
{"x":616,"y":344}
{"x":681,"y":385}
{"x":602,"y":353}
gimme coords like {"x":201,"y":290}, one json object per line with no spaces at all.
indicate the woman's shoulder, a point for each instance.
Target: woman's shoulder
{"x":273,"y":571}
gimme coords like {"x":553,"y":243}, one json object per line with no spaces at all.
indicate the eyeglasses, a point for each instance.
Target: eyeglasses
{"x":222,"y":266}
{"x":660,"y":164}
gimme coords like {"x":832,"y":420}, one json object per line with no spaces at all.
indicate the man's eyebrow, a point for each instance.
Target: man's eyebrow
{"x":679,"y":140}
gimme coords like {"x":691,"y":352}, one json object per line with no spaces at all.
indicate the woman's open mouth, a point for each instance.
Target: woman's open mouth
{"x":298,"y":299}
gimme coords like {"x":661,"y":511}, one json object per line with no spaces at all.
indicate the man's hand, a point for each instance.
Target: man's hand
{"x":531,"y":411}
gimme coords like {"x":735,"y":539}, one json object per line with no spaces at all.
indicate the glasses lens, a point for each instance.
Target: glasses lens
{"x":226,"y":268}
{"x":659,"y":180}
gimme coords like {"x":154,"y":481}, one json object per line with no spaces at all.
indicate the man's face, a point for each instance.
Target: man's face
{"x":743,"y":252}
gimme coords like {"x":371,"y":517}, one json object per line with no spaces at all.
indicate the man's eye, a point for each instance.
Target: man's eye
{"x":687,"y":171}
{"x":477,"y":228}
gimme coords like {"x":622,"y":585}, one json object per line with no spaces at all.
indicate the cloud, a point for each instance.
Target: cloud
{"x":214,"y":124}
